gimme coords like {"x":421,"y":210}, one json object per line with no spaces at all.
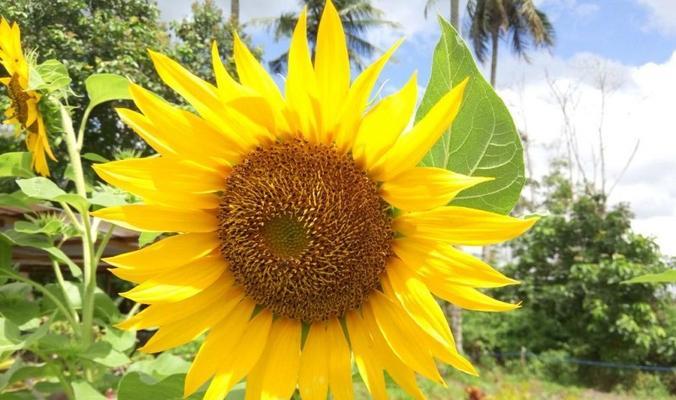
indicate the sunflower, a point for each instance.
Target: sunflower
{"x":23,"y":109}
{"x":306,"y":237}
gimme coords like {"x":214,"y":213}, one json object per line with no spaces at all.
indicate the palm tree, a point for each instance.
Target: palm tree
{"x":358,"y":16}
{"x":455,"y":11}
{"x":517,"y":20}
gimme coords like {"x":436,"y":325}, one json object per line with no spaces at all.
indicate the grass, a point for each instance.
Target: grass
{"x":498,"y":384}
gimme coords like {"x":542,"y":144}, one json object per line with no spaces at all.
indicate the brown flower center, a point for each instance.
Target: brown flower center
{"x":304,"y":230}
{"x":19,"y":100}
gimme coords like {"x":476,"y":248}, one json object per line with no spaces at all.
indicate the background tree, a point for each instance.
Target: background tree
{"x":519,"y":21}
{"x":358,"y":16}
{"x":572,"y":266}
{"x":95,"y":36}
{"x":234,"y":12}
{"x":195,"y":34}
{"x":454,"y":14}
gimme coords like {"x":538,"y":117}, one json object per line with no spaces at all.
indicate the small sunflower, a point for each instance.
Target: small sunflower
{"x":306,"y":237}
{"x":23,"y":109}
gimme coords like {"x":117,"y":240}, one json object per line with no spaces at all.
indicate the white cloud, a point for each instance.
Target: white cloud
{"x":662,"y":15}
{"x":639,"y":108}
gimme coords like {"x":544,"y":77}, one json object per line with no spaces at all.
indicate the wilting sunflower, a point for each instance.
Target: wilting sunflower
{"x":23,"y":109}
{"x":306,"y":235}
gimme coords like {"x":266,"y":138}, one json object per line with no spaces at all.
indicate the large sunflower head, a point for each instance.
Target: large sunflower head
{"x":23,"y":110}
{"x":305,"y":236}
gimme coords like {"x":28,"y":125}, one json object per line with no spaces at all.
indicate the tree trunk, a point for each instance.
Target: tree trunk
{"x":455,"y":14}
{"x":234,"y":12}
{"x":456,"y":326}
{"x":494,"y":57}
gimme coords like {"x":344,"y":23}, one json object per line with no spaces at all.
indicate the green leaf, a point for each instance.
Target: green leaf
{"x":16,"y":164}
{"x":51,"y":76}
{"x":94,"y":157}
{"x":17,"y":199}
{"x":140,"y":386}
{"x":483,"y":140}
{"x":145,"y":238}
{"x":44,"y":189}
{"x":52,"y":227}
{"x":108,"y":199}
{"x":40,"y":241}
{"x":103,"y":353}
{"x":85,"y":391}
{"x":663,"y":277}
{"x":10,"y":337}
{"x":106,"y":87}
{"x":72,"y":291}
{"x":122,"y":341}
{"x":16,"y":304}
{"x":162,"y":366}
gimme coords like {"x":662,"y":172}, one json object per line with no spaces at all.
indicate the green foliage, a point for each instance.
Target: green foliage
{"x":483,"y":140}
{"x":102,"y":88}
{"x":572,"y":266}
{"x":663,"y":277}
{"x":94,"y":37}
{"x":196,"y":34}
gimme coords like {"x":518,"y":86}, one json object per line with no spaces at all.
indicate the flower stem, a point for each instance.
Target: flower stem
{"x":88,"y":237}
{"x":62,"y":284}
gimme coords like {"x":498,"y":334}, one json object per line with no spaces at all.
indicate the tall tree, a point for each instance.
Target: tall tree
{"x":358,"y":16}
{"x":234,"y":12}
{"x":196,"y":33}
{"x":455,"y":11}
{"x":518,"y":21}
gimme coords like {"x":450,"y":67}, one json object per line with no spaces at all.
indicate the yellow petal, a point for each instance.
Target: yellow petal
{"x":153,"y":218}
{"x":383,"y":124}
{"x":444,"y":263}
{"x":339,"y":365}
{"x":182,"y":129}
{"x":400,"y":334}
{"x":402,"y":374}
{"x":363,"y":350}
{"x":188,"y":329}
{"x":417,"y":300}
{"x":313,"y":380}
{"x":332,"y":66}
{"x":468,"y":298}
{"x":411,"y":147}
{"x":275,"y":375}
{"x":167,"y":253}
{"x":227,"y":86}
{"x":252,"y":74}
{"x":200,"y":94}
{"x":234,"y":365}
{"x":461,"y":225}
{"x":357,"y":98}
{"x":189,"y":187}
{"x":220,"y":341}
{"x":425,"y":188}
{"x":180,"y":283}
{"x":157,"y":315}
{"x":301,"y":83}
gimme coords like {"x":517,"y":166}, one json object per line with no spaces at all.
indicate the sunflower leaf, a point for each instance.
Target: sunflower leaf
{"x":484,"y":140}
{"x":16,"y":164}
{"x":106,"y":87}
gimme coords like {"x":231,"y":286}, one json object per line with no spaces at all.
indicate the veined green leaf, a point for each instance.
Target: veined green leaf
{"x":16,"y":164}
{"x":51,"y":75}
{"x":106,"y":87}
{"x":40,"y":241}
{"x":483,"y":140}
{"x":43,"y":188}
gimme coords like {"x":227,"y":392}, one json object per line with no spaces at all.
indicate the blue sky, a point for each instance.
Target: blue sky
{"x":631,"y":42}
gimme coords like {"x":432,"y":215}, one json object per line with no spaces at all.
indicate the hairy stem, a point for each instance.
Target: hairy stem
{"x":88,"y":237}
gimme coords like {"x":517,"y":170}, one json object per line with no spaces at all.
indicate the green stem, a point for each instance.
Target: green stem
{"x":89,"y":265}
{"x":83,"y":126}
{"x":71,"y":216}
{"x":64,"y":310}
{"x":62,"y":284}
{"x":103,"y":244}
